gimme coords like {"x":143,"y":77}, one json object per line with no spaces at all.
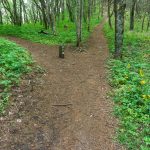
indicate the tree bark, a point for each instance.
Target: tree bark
{"x":63,"y":9}
{"x":53,"y":16}
{"x":1,"y":18}
{"x":148,"y":24}
{"x":43,"y":6}
{"x":143,"y":21}
{"x":79,"y":21}
{"x":70,"y":10}
{"x":89,"y":14}
{"x":119,"y":7}
{"x":132,"y":14}
{"x":102,"y":8}
{"x":109,"y":13}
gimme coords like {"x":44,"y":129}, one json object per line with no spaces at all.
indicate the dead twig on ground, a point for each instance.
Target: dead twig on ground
{"x":61,"y":105}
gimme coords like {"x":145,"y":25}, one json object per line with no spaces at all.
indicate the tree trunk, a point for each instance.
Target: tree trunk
{"x":132,"y":11}
{"x":89,"y":14}
{"x":1,"y":18}
{"x":53,"y":16}
{"x":63,"y":9}
{"x":15,"y":12}
{"x":143,"y":21}
{"x":20,"y":15}
{"x":79,"y":21}
{"x":109,"y":13}
{"x":70,"y":10}
{"x":119,"y":7}
{"x":43,"y":6}
{"x":102,"y":8}
{"x":148,"y":24}
{"x":25,"y":15}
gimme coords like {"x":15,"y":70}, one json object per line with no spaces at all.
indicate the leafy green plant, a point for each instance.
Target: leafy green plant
{"x":129,"y":78}
{"x":30,"y":32}
{"x":14,"y":62}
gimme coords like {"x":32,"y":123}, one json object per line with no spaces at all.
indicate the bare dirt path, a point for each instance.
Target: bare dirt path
{"x":65,"y":108}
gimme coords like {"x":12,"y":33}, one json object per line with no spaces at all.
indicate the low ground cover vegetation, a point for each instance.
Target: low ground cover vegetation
{"x":66,"y":32}
{"x":129,"y":78}
{"x":14,"y":62}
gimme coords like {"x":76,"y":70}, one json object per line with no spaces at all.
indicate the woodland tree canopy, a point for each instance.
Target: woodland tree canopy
{"x":50,"y":12}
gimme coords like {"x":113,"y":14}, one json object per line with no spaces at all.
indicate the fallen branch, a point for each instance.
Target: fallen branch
{"x":61,"y":105}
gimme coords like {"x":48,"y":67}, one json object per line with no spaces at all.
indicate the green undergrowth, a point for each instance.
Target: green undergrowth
{"x":137,"y":23}
{"x":63,"y":35}
{"x":129,"y":78}
{"x":14,"y":62}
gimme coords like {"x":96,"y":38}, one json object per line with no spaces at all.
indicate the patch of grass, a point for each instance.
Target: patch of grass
{"x":30,"y":32}
{"x":129,"y":78}
{"x":14,"y":62}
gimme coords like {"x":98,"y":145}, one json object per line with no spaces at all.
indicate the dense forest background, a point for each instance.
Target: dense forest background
{"x":57,"y":14}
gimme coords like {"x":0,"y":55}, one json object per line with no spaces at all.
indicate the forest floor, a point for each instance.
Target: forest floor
{"x":66,"y":107}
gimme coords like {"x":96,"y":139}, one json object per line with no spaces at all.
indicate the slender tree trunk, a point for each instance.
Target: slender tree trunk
{"x":43,"y":6}
{"x":15,"y":12}
{"x":53,"y":16}
{"x":148,"y":24}
{"x":20,"y":15}
{"x":132,"y":12}
{"x":25,"y":14}
{"x":79,"y":21}
{"x":70,"y":10}
{"x":143,"y":21}
{"x":89,"y":14}
{"x":119,"y":7}
{"x":102,"y":8}
{"x":99,"y":9}
{"x":8,"y":11}
{"x":1,"y":18}
{"x":63,"y":9}
{"x":109,"y":13}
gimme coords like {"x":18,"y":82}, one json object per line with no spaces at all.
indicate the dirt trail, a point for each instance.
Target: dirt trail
{"x":67,"y":107}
